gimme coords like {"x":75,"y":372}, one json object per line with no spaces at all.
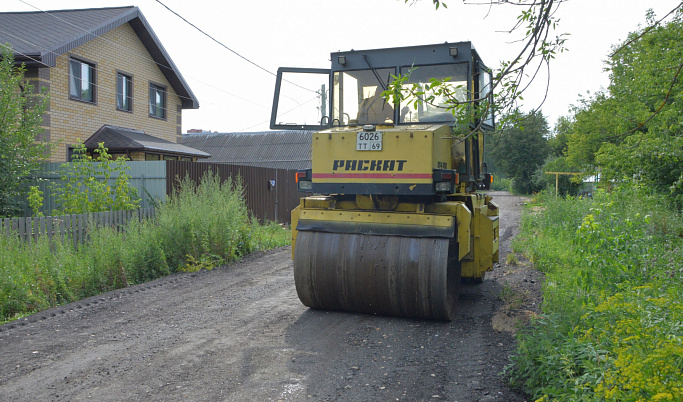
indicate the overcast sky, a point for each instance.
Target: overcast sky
{"x":235,"y":95}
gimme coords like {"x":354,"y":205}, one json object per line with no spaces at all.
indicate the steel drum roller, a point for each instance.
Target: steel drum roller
{"x":387,"y":275}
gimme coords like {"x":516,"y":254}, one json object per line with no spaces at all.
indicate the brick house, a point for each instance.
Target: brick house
{"x":109,"y":79}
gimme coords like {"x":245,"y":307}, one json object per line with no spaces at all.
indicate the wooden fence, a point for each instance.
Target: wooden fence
{"x":69,"y":227}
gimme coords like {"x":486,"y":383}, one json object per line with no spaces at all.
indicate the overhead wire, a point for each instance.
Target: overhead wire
{"x":99,"y":87}
{"x":226,"y":47}
{"x":127,"y":48}
{"x":281,"y":114}
{"x":215,"y":40}
{"x":52,"y":15}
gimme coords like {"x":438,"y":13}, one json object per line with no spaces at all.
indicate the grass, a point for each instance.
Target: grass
{"x":200,"y":227}
{"x":511,"y":259}
{"x":611,"y":327}
{"x":501,"y":184}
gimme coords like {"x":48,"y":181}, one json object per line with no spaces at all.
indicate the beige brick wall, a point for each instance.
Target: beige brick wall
{"x":118,"y":50}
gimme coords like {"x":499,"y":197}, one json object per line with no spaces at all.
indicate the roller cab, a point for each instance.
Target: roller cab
{"x":396,"y":222}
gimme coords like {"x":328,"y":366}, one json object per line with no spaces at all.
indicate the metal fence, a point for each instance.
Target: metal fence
{"x":72,"y":228}
{"x":270,"y":194}
{"x":149,"y":178}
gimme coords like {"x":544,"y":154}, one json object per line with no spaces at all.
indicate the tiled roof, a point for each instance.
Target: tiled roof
{"x":273,"y":149}
{"x":118,"y":139}
{"x":37,"y":38}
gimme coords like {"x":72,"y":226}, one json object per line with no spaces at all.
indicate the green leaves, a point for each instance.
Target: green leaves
{"x":437,"y":3}
{"x":633,"y":131}
{"x":21,"y":117}
{"x":519,"y":150}
{"x":84,"y":185}
{"x":537,"y":47}
{"x":611,"y":325}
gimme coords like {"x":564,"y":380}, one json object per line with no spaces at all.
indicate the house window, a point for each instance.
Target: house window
{"x":124,"y":92}
{"x":152,"y":157}
{"x":81,"y":80}
{"x":157,"y":101}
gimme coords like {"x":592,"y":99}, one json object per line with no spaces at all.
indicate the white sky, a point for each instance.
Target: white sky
{"x":237,"y":96}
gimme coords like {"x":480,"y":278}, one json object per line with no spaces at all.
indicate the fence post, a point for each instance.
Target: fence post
{"x":63,"y":228}
{"x":49,"y":228}
{"x":43,"y":231}
{"x":23,"y":229}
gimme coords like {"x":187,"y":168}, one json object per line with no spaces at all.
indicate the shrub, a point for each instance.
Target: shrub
{"x":80,"y":191}
{"x":200,"y":227}
{"x":611,"y":323}
{"x":209,"y":218}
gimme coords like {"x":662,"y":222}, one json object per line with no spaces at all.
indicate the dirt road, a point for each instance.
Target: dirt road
{"x":239,"y":333}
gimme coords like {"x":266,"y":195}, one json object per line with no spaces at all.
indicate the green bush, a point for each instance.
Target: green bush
{"x":611,"y":323}
{"x":79,"y":190}
{"x":209,"y":218}
{"x":201,"y":226}
{"x":501,"y":184}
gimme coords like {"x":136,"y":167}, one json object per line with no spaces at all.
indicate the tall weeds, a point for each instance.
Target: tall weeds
{"x":200,"y":226}
{"x":205,"y":220}
{"x":612,"y":318}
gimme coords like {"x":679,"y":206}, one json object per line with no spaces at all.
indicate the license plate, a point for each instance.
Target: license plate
{"x":369,"y":141}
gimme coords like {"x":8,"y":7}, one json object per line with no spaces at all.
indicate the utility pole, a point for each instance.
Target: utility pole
{"x":323,"y":102}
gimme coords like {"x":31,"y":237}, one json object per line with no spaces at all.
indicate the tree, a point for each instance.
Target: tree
{"x":81,"y":190}
{"x":560,"y":136}
{"x":634,"y":131}
{"x":557,"y":161}
{"x":519,"y":150}
{"x":21,"y":117}
{"x":537,"y":47}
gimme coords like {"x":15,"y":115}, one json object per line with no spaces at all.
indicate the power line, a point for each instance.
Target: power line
{"x":99,"y":88}
{"x":162,"y":66}
{"x":226,"y":47}
{"x":105,"y":90}
{"x":215,"y":40}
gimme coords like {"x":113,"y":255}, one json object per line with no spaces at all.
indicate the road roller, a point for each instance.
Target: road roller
{"x":395,"y":214}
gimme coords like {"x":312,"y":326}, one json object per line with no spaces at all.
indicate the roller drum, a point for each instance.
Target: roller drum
{"x":386,"y":275}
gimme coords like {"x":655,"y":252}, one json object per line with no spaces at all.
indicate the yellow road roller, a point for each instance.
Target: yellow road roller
{"x":395,"y":219}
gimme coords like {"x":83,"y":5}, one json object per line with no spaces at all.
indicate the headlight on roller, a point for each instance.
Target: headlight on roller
{"x":304,"y":180}
{"x":445,"y":181}
{"x":442,"y":186}
{"x":305,"y":185}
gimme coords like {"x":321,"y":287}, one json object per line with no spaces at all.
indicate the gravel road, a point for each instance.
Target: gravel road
{"x":239,"y":333}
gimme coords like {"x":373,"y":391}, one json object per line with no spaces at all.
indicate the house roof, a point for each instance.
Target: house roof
{"x":287,"y":149}
{"x":121,"y":139}
{"x":38,"y":37}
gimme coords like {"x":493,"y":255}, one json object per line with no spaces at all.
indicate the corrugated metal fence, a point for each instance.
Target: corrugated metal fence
{"x":149,"y":178}
{"x":270,"y":194}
